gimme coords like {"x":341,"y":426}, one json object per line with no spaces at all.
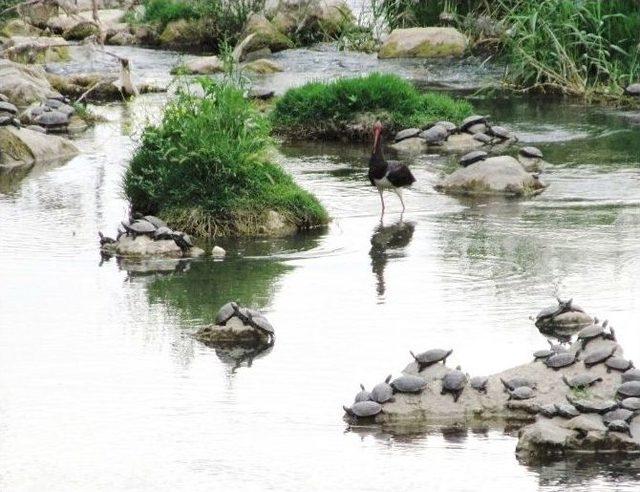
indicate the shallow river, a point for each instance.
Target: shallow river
{"x":102,"y":386}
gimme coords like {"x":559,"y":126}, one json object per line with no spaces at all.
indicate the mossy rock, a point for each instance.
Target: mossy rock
{"x":180,"y":32}
{"x":262,"y":66}
{"x":18,"y":27}
{"x":81,"y":31}
{"x":424,"y":42}
{"x":335,"y":17}
{"x":258,"y":34}
{"x":25,"y":147}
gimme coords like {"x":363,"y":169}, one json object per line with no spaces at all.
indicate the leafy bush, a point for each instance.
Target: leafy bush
{"x":206,"y":168}
{"x":329,"y":108}
{"x":411,"y":13}
{"x":165,"y":11}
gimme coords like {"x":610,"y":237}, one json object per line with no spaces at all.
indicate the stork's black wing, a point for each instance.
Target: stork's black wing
{"x":399,"y":175}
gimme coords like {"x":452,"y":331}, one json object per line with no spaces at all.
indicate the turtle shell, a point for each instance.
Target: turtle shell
{"x":549,"y":410}
{"x":522,"y":393}
{"x":225,"y":313}
{"x":408,"y":384}
{"x":454,"y":381}
{"x":499,"y":131}
{"x":531,"y":152}
{"x":482,"y":137}
{"x":618,"y":414}
{"x":382,"y":392}
{"x":563,"y":359}
{"x":447,"y":125}
{"x":543,"y":354}
{"x":632,"y":403}
{"x":598,"y":356}
{"x":618,"y":363}
{"x":261,"y":323}
{"x":631,"y":375}
{"x":432,"y":356}
{"x":567,"y":410}
{"x":630,"y":388}
{"x":140,"y":227}
{"x":618,"y":426}
{"x":362,"y":395}
{"x":583,"y":380}
{"x":155,"y":221}
{"x":408,"y":133}
{"x":163,"y":233}
{"x":548,"y":312}
{"x":479,"y":383}
{"x":590,"y":332}
{"x":434,"y":135}
{"x":365,"y":409}
{"x":52,"y":119}
{"x":469,"y":121}
{"x":517,"y":382}
{"x":473,"y":157}
{"x":594,"y":406}
{"x":8,"y":107}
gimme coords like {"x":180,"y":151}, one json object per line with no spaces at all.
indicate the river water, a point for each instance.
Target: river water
{"x":102,"y":386}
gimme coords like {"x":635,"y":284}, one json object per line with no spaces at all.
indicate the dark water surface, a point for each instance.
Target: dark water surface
{"x":102,"y":387}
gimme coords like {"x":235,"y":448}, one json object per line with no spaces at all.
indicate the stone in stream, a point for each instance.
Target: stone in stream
{"x":423,"y":42}
{"x":218,"y":252}
{"x":23,"y":147}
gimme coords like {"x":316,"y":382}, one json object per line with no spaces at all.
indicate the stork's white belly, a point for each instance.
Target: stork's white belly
{"x":383,"y":183}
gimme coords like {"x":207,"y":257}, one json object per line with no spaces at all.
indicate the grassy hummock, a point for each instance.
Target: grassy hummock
{"x":206,"y":168}
{"x":348,"y":107}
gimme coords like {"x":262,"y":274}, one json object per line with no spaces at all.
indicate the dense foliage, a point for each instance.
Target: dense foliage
{"x":206,"y":167}
{"x":322,"y":108}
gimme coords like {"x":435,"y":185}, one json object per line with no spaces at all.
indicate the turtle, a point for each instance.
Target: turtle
{"x":592,"y":332}
{"x":53,"y":120}
{"x":9,"y":120}
{"x":155,"y":221}
{"x":434,"y":135}
{"x":557,"y":348}
{"x":542,"y":354}
{"x":549,"y":410}
{"x":408,"y":384}
{"x":597,"y":356}
{"x":531,"y":152}
{"x":521,"y":393}
{"x":36,"y":128}
{"x":632,"y":403}
{"x":618,"y":414}
{"x":163,"y":232}
{"x":499,"y":132}
{"x":259,"y":322}
{"x":548,"y":313}
{"x":447,"y":125}
{"x":104,"y":240}
{"x":362,"y":395}
{"x":7,"y":107}
{"x":566,"y":410}
{"x":469,"y":121}
{"x":630,"y":388}
{"x":631,"y":375}
{"x":482,"y":138}
{"x":618,"y":364}
{"x":382,"y":392}
{"x":225,"y":313}
{"x":479,"y":383}
{"x":430,"y":357}
{"x":454,"y":382}
{"x":184,"y":241}
{"x":476,"y":128}
{"x":363,"y":409}
{"x":593,"y":406}
{"x":139,"y":228}
{"x":562,"y":359}
{"x":517,"y":382}
{"x":408,"y":133}
{"x":619,"y":426}
{"x":581,"y":381}
{"x":473,"y":157}
{"x":632,"y":90}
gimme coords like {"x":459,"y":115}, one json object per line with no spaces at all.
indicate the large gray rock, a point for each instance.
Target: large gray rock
{"x":258,"y":34}
{"x":460,"y":143}
{"x":501,"y":175}
{"x":423,"y":42}
{"x":24,"y":147}
{"x":413,"y":145}
{"x":24,"y":84}
{"x":309,"y":17}
{"x":36,"y":49}
{"x":143,"y":246}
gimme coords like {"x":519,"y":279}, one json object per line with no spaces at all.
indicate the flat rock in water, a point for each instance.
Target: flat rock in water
{"x":501,"y":175}
{"x":22,"y":146}
{"x":423,"y":42}
{"x":145,"y":246}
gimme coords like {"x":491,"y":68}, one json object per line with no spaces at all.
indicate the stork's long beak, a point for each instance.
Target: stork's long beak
{"x":376,"y":138}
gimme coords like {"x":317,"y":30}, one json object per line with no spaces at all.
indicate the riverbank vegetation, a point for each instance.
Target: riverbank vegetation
{"x":207,"y":170}
{"x":589,"y":48}
{"x":348,"y":107}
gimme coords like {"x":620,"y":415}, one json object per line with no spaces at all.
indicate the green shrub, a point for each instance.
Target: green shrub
{"x":206,"y":168}
{"x":330,"y":108}
{"x":165,"y":11}
{"x":412,"y":13}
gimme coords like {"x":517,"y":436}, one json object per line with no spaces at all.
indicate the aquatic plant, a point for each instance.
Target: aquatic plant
{"x":350,"y":106}
{"x":206,"y":168}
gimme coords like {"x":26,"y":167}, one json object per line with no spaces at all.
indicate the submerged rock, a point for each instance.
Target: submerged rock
{"x":423,"y":42}
{"x":501,"y":175}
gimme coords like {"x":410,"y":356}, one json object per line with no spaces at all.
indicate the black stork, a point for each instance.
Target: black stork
{"x":387,"y":175}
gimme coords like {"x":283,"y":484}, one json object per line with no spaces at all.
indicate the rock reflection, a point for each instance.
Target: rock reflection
{"x":388,"y":242}
{"x":236,"y":355}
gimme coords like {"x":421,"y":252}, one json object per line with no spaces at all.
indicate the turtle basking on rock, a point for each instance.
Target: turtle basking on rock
{"x":225,"y":313}
{"x":500,"y":132}
{"x":255,"y":319}
{"x":629,"y":389}
{"x":581,"y":381}
{"x":595,"y":331}
{"x":549,"y":410}
{"x":472,"y":120}
{"x":566,"y":410}
{"x":517,"y":382}
{"x":598,"y":356}
{"x":362,"y":395}
{"x":408,"y":384}
{"x":139,"y":228}
{"x":618,"y":414}
{"x":184,"y":241}
{"x":619,"y":426}
{"x":382,"y":392}
{"x":547,"y":315}
{"x":104,"y":240}
{"x":434,"y":135}
{"x":454,"y":382}
{"x":473,"y":157}
{"x":632,"y":403}
{"x":631,"y":375}
{"x":363,"y":409}
{"x":521,"y":393}
{"x":430,"y":357}
{"x":592,"y":406}
{"x":618,"y":364}
{"x":479,"y":383}
{"x":563,"y":359}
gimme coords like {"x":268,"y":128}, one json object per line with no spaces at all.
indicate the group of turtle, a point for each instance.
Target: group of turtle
{"x":528,"y":153}
{"x":248,"y":317}
{"x":548,"y":315}
{"x":152,"y":227}
{"x":369,"y":403}
{"x":8,"y":113}
{"x":51,"y":116}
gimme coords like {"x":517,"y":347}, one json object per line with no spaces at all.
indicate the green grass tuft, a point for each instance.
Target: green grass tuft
{"x":329,"y":109}
{"x":207,"y":169}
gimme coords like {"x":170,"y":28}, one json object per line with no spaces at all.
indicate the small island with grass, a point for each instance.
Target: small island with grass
{"x":347,"y":108}
{"x":207,"y":169}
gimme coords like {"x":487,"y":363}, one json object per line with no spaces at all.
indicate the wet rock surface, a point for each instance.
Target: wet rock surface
{"x":236,"y":324}
{"x":25,"y":147}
